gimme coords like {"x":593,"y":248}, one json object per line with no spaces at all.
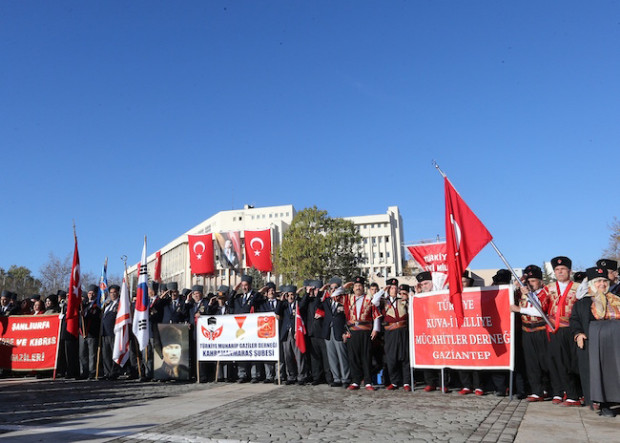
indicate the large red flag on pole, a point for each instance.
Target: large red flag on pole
{"x":74,"y":298}
{"x":258,"y":250}
{"x":465,"y":237}
{"x":201,"y":260}
{"x":157,"y":276}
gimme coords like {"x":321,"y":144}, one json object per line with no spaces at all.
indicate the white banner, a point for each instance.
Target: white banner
{"x":241,"y":337}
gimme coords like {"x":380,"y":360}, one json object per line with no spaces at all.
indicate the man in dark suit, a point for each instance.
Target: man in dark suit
{"x":173,"y":308}
{"x":90,"y":324}
{"x":317,"y":351}
{"x":334,"y":326}
{"x":295,"y":360}
{"x":196,"y":306}
{"x":269,"y":304}
{"x":245,"y":302}
{"x":110,"y":369}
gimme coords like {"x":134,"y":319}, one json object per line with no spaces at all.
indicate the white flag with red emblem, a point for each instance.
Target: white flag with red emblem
{"x":122,"y":325}
{"x":300,"y":331}
{"x":141,"y":312}
{"x":258,"y":250}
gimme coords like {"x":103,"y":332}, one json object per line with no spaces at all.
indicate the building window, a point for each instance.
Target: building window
{"x":372,"y":226}
{"x":240,"y":219}
{"x":387,"y":254}
{"x":281,"y":214}
{"x":263,"y":215}
{"x":270,"y":215}
{"x":380,"y":254}
{"x":287,"y":214}
{"x":374,"y":240}
{"x":387,"y":239}
{"x":365,"y":241}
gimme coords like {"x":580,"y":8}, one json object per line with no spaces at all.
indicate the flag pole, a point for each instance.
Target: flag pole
{"x":126,"y":277}
{"x":531,"y":296}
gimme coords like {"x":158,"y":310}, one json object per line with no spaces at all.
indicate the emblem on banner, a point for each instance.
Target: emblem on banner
{"x":266,"y":327}
{"x":211,"y":332}
{"x":240,"y":321}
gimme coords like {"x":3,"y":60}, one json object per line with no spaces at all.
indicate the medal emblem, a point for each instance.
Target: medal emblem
{"x":240,"y":321}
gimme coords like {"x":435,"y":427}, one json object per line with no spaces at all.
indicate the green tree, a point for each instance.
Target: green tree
{"x":318,"y":246}
{"x":19,"y":279}
{"x":258,"y":281}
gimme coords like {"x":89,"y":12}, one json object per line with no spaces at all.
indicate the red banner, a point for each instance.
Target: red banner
{"x":432,"y":257}
{"x":28,"y":342}
{"x":484,"y":340}
{"x":201,"y":254}
{"x":258,"y":250}
{"x":157,"y":276}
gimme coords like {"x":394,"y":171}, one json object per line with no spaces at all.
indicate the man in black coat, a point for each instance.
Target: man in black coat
{"x":111,"y":370}
{"x":172,"y":307}
{"x":317,"y":351}
{"x":295,"y":359}
{"x":244,"y":302}
{"x":90,"y":324}
{"x":333,"y":328}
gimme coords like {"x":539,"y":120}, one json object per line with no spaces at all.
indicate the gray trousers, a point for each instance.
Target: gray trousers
{"x":296,"y":367}
{"x":88,"y":356}
{"x":338,"y":360}
{"x":110,"y":368}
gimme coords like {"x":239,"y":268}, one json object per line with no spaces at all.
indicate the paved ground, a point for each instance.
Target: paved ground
{"x":124,"y":411}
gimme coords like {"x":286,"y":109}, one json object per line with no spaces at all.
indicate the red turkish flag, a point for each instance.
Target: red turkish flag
{"x":201,"y":254}
{"x":74,"y":298}
{"x":465,"y":237}
{"x":157,"y":276}
{"x":258,"y":250}
{"x":300,"y":331}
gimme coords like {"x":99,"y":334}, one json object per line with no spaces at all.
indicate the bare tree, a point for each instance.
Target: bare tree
{"x":55,"y":274}
{"x":613,"y":249}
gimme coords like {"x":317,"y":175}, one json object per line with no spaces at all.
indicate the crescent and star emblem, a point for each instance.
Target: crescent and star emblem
{"x":262,"y":245}
{"x":76,"y":280}
{"x":199,"y":255}
{"x":457,"y":233}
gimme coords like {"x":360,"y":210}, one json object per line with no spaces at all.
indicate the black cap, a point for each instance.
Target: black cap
{"x":316,"y":284}
{"x":117,"y":287}
{"x":404,"y":287}
{"x":424,"y":276}
{"x":53,"y":298}
{"x":247,"y":278}
{"x":271,"y":285}
{"x":163,"y":287}
{"x":335,"y":281}
{"x":561,"y":261}
{"x":579,"y":276}
{"x":172,"y":286}
{"x":93,"y":288}
{"x":533,"y":271}
{"x":5,"y":293}
{"x":170,"y":335}
{"x":186,"y":291}
{"x":35,"y":297}
{"x":392,"y":282}
{"x":502,"y":277}
{"x":224,"y":289}
{"x":13,"y":296}
{"x":154,"y":286}
{"x":307,"y":282}
{"x":198,"y":288}
{"x":288,"y":288}
{"x":61,"y":294}
{"x":611,"y":265}
{"x":597,"y":272}
{"x":359,"y":279}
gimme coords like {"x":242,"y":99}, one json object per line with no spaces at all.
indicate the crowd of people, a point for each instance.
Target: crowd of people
{"x":357,"y":336}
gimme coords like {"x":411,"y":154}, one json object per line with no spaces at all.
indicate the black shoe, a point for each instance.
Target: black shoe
{"x":500,"y":394}
{"x":289,"y":382}
{"x":335,"y":384}
{"x":254,"y":380}
{"x":301,"y":383}
{"x":242,"y":380}
{"x":315,"y":382}
{"x":268,"y":380}
{"x":607,"y":412}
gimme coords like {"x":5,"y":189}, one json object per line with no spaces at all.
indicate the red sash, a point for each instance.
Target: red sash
{"x":561,"y":306}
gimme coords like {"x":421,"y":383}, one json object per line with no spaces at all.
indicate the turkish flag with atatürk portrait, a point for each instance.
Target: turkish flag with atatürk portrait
{"x":201,"y":254}
{"x":258,"y":250}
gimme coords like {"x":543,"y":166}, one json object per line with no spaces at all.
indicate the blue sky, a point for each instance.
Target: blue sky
{"x":144,"y":117}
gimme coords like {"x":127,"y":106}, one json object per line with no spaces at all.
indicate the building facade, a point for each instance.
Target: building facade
{"x":382,"y":244}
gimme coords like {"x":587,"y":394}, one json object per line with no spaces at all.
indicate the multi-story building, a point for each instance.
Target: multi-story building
{"x":382,"y":243}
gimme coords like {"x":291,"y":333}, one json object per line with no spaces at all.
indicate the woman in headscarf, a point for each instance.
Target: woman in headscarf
{"x":604,"y":338}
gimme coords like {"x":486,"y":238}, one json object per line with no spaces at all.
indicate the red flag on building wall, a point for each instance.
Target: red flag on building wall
{"x":258,"y":250}
{"x":74,"y":298}
{"x":157,"y":276}
{"x":201,"y":254}
{"x":465,"y":237}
